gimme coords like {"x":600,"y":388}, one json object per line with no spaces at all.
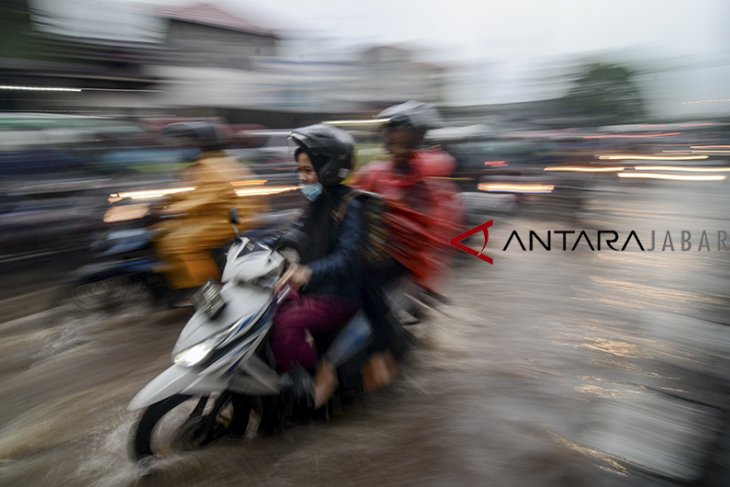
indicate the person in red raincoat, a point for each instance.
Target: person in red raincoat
{"x":424,"y":212}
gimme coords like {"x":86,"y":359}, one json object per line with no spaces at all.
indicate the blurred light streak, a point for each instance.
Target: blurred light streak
{"x":646,"y":292}
{"x":599,"y":391}
{"x":583,"y":169}
{"x":682,"y":168}
{"x":267,"y":190}
{"x":125,"y":213}
{"x":719,"y":100}
{"x":148,"y":194}
{"x":613,"y":347}
{"x":73,"y":90}
{"x":495,"y":163}
{"x":128,"y":90}
{"x":615,"y":466}
{"x":516,"y":188}
{"x":632,"y":136}
{"x":644,"y":157}
{"x":673,"y":177}
{"x":38,"y":88}
{"x":710,"y":147}
{"x":250,"y":182}
{"x":374,"y":121}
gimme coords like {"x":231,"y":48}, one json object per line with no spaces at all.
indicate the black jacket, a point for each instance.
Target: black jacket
{"x":337,"y":265}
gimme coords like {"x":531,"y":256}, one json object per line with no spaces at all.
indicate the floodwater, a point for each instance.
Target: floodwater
{"x":559,"y":368}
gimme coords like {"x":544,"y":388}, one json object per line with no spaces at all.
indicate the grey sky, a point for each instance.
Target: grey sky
{"x":502,"y":29}
{"x":510,"y":41}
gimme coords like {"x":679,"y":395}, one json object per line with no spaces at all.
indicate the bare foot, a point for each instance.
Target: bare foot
{"x":325,"y":383}
{"x":225,"y":415}
{"x":379,"y":372}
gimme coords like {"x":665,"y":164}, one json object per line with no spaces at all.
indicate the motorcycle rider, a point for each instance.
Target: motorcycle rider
{"x":185,"y":243}
{"x":424,"y":213}
{"x":327,"y":280}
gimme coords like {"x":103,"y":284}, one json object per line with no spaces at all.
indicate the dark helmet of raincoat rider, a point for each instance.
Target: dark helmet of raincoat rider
{"x":204,"y":136}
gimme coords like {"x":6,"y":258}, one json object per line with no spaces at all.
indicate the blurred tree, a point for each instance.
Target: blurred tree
{"x":604,"y":91}
{"x":16,"y":38}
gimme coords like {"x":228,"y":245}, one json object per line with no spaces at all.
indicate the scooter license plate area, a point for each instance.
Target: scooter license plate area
{"x":208,"y":299}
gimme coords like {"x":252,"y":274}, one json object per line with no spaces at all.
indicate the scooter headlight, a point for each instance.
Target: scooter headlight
{"x":195,"y":354}
{"x":201,"y":351}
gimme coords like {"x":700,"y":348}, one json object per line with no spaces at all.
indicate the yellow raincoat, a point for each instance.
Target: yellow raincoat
{"x":185,"y":243}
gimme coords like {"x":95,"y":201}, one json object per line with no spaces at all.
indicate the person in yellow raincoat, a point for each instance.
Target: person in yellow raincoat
{"x":185,"y":243}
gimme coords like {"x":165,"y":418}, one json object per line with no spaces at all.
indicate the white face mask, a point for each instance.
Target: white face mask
{"x":311,"y":191}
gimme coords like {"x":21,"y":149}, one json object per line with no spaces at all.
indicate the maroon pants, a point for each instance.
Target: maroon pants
{"x":295,"y":316}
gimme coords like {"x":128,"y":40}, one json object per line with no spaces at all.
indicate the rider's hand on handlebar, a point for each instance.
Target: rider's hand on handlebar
{"x":296,"y":276}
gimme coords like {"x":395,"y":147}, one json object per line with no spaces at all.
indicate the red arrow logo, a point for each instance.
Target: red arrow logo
{"x":484,"y":227}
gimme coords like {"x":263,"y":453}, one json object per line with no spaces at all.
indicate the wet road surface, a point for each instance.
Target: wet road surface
{"x":546,"y":369}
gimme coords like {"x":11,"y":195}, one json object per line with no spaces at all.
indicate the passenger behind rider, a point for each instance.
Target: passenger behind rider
{"x":424,"y":213}
{"x":327,"y":281}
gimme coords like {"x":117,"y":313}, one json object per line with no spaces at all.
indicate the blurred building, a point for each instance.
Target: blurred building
{"x":206,"y":59}
{"x":391,"y":74}
{"x":68,"y":55}
{"x":209,"y":58}
{"x":687,"y":87}
{"x":205,"y":35}
{"x":308,"y":85}
{"x":198,"y":59}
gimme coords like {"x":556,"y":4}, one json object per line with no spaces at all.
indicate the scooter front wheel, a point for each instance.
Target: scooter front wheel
{"x":109,"y":293}
{"x":183,"y":423}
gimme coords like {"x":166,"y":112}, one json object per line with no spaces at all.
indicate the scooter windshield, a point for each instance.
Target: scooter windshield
{"x":250,"y":246}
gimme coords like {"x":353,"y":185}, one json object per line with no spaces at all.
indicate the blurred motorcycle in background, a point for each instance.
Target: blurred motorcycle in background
{"x":126,"y":268}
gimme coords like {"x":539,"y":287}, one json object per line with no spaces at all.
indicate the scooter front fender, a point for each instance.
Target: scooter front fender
{"x":175,"y":380}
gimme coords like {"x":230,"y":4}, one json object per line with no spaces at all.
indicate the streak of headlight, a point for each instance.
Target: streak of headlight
{"x":516,"y":188}
{"x":583,"y":169}
{"x":265,"y":190}
{"x":644,"y":157}
{"x":147,"y":194}
{"x":682,"y":168}
{"x":633,"y":136}
{"x":673,"y":177}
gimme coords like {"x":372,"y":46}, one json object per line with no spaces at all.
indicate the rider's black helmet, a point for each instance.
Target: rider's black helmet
{"x":330,"y":150}
{"x":413,"y":115}
{"x":203,"y":135}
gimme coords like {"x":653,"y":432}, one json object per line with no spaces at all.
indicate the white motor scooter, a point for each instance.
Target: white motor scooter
{"x":222,"y":360}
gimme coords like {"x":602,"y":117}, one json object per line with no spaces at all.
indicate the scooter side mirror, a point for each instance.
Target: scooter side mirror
{"x":293,"y":239}
{"x":233,"y":216}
